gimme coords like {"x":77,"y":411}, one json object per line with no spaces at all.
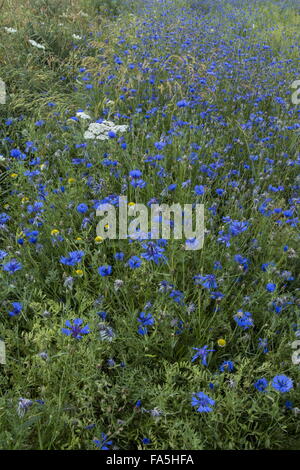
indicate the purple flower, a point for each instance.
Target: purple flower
{"x":263,"y":344}
{"x":23,"y":406}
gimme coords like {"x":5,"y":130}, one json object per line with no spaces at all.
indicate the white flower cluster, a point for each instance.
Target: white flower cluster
{"x":36,"y":44}
{"x":99,"y":131}
{"x":10,"y":30}
{"x":83,"y":115}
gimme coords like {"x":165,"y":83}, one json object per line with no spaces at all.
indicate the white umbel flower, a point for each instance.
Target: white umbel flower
{"x":10,"y":30}
{"x":83,"y":115}
{"x":36,"y":44}
{"x":99,"y":131}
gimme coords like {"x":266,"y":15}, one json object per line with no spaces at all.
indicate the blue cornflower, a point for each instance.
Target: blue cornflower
{"x":220,"y":191}
{"x":74,"y":257}
{"x":227,"y":366}
{"x":199,"y":190}
{"x":153,"y":252}
{"x":289,"y":405}
{"x":159,"y":145}
{"x":138,"y":183}
{"x":2,"y":254}
{"x":236,"y":227}
{"x":135,"y":174}
{"x":23,"y":405}
{"x":177,"y":296}
{"x":75,"y":330}
{"x":4,"y":218}
{"x":82,"y":208}
{"x":12,"y":266}
{"x":282,"y":383}
{"x":90,"y":426}
{"x":36,"y":207}
{"x":182,"y":103}
{"x":261,"y":384}
{"x":270,"y":287}
{"x":103,"y":444}
{"x":134,"y":262}
{"x":146,"y":440}
{"x":146,"y":319}
{"x":218,"y":265}
{"x":203,"y":353}
{"x":244,"y":262}
{"x":119,"y":256}
{"x":105,"y":270}
{"x":17,"y":308}
{"x":243,"y":319}
{"x":208,"y":281}
{"x":203,"y":402}
{"x":263,"y":344}
{"x":16,"y":153}
{"x":111,"y":362}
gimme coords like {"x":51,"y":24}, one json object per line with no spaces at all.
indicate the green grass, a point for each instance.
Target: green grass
{"x":77,"y":384}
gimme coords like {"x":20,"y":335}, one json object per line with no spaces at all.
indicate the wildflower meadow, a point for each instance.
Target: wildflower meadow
{"x":113,"y":335}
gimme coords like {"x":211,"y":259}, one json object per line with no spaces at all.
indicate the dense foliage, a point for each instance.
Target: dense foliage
{"x":143,"y":344}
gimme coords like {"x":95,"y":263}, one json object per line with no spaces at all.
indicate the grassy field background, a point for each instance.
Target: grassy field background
{"x":205,"y":88}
